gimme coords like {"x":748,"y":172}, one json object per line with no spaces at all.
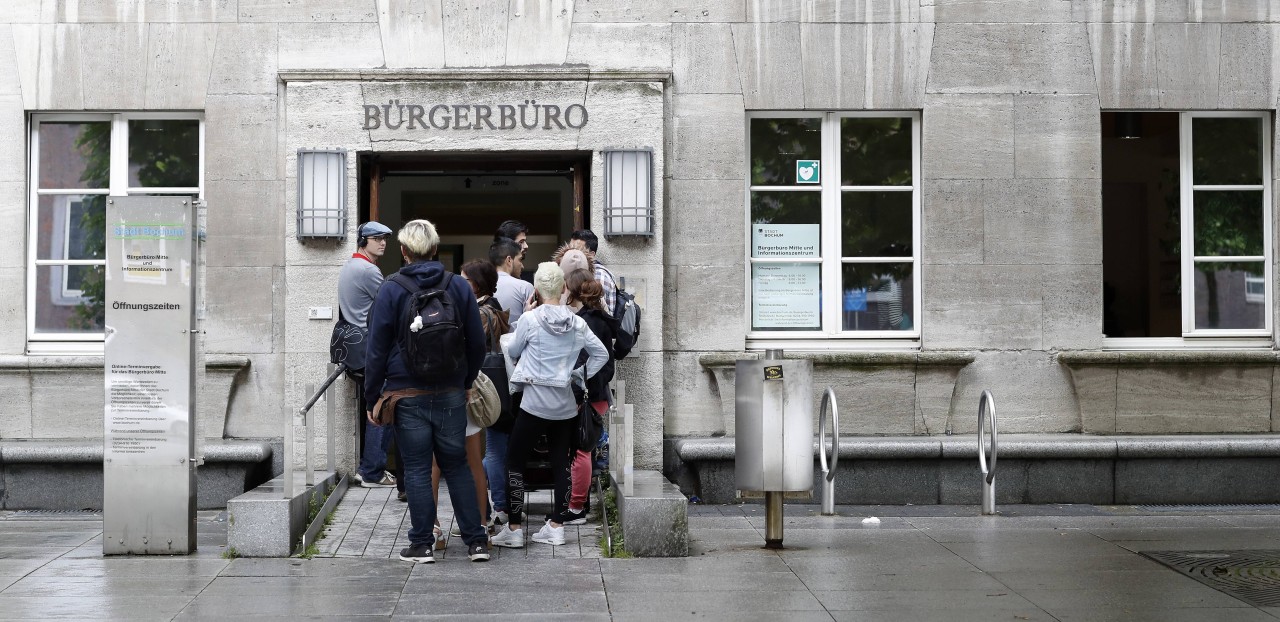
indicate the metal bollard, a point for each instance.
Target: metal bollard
{"x":829,"y":466}
{"x":987,"y":414}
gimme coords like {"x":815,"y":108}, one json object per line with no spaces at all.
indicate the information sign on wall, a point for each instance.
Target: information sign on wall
{"x":786,"y":296}
{"x":785,"y":240}
{"x":148,"y":475}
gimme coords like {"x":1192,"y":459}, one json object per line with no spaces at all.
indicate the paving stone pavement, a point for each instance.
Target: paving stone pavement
{"x":925,"y":563}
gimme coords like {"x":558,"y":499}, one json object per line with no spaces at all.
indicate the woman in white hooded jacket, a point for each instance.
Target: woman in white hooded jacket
{"x":545,"y":346}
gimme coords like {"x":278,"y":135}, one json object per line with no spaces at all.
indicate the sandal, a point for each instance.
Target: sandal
{"x":441,"y":541}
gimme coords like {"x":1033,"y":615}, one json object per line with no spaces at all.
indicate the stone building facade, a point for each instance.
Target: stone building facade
{"x":998,"y":116}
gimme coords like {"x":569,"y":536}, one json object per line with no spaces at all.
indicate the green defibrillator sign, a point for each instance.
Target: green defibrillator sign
{"x":808,"y":172}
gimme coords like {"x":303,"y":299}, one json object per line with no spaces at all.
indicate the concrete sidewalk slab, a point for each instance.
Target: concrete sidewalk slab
{"x":1038,"y":563}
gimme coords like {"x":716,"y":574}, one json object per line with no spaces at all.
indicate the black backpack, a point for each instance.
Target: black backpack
{"x":436,"y":350}
{"x":625,"y":311}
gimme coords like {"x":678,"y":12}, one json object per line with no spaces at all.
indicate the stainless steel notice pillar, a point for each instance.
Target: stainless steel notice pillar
{"x":774,"y":440}
{"x":149,"y":483}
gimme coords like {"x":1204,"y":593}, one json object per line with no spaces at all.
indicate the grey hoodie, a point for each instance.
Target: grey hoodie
{"x":545,"y":346}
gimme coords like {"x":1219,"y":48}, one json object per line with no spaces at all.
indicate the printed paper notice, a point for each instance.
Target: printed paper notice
{"x":785,"y":240}
{"x":785,"y":296}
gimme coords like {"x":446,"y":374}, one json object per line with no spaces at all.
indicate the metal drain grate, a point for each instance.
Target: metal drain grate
{"x":1224,"y":508}
{"x":63,"y":514}
{"x":1251,"y":576}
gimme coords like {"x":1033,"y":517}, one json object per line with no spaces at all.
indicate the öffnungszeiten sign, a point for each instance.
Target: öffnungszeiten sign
{"x":528,"y":115}
{"x":148,"y":426}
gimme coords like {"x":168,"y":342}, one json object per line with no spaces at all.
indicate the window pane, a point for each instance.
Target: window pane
{"x":1141,"y":225}
{"x":75,"y":155}
{"x":1230,"y":295}
{"x":1228,"y":223}
{"x":786,"y":296}
{"x":164,"y":153}
{"x":875,"y":224}
{"x":69,"y":299}
{"x":1226,"y":151}
{"x":789,"y":208}
{"x":71,"y":226}
{"x":877,"y":296}
{"x":875,"y":151}
{"x":776,"y":145}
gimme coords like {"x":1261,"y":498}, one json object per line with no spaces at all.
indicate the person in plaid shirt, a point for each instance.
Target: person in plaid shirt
{"x":585,"y":240}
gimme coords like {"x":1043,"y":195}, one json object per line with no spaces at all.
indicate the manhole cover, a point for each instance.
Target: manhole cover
{"x":1236,"y":508}
{"x":1251,"y":576}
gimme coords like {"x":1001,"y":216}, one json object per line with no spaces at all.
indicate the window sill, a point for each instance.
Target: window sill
{"x":861,"y":358}
{"x":65,"y":348}
{"x":1143,"y":358}
{"x":55,"y":362}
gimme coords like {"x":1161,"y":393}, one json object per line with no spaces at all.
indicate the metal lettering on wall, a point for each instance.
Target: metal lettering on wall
{"x":529,"y":115}
{"x":148,"y":475}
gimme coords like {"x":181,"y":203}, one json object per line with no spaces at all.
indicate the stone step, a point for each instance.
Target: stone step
{"x":263,"y":523}
{"x":655,"y":517}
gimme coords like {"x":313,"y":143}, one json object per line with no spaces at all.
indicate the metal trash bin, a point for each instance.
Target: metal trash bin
{"x":774,"y":438}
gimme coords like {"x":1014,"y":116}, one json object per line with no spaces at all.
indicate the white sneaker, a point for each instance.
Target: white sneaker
{"x":499,"y":519}
{"x":386,"y":481}
{"x":508,"y":538}
{"x":550,"y":535}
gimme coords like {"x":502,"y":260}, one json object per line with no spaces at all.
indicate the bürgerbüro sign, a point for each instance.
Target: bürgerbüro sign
{"x":529,"y":115}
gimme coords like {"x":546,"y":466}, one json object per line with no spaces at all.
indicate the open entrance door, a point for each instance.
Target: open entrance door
{"x":468,"y":195}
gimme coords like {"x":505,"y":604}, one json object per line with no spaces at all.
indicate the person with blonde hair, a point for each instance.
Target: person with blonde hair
{"x":545,"y":346}
{"x":419,"y":374}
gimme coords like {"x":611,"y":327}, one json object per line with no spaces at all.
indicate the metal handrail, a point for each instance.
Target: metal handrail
{"x":305,"y":413}
{"x":987,"y":416}
{"x":829,"y":466}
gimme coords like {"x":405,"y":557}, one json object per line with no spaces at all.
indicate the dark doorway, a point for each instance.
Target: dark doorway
{"x":468,"y":195}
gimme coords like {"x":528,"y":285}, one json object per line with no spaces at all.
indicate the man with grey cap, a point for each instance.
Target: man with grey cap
{"x":358,"y":284}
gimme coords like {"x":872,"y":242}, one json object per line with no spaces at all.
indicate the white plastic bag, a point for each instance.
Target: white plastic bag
{"x":504,"y":342}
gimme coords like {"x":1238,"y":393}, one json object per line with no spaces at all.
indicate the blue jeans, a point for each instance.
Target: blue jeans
{"x":436,"y":424}
{"x":495,"y":467}
{"x":373,"y":460}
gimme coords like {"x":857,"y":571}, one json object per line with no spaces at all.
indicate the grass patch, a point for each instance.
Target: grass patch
{"x":313,"y":510}
{"x":615,"y":529}
{"x":230,"y":553}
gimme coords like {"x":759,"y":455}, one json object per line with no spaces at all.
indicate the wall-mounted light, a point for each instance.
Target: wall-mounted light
{"x":628,"y":192}
{"x":322,"y":193}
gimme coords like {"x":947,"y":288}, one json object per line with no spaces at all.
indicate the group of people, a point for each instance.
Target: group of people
{"x":563,"y":341}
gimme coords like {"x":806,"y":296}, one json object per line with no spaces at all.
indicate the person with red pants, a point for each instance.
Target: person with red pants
{"x":585,"y":296}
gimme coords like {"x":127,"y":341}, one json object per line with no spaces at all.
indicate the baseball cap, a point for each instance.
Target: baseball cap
{"x":373,"y":229}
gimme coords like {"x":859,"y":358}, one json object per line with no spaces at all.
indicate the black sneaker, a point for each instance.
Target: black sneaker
{"x":477,"y":552}
{"x":418,"y":554}
{"x":403,"y":496}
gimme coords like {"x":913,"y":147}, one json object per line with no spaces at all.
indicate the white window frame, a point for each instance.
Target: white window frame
{"x":1212,"y":338}
{"x":833,"y":337}
{"x":87,"y":343}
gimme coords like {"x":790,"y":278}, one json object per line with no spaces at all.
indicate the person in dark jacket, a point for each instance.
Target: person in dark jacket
{"x":586,"y":296}
{"x":430,"y":418}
